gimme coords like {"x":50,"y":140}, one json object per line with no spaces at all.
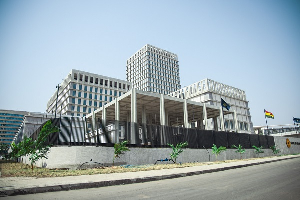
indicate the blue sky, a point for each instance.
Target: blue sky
{"x":252,"y":45}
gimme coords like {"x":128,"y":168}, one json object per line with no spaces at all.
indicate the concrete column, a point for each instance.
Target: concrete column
{"x":93,"y":121}
{"x":222,"y":119}
{"x":103,"y":115}
{"x":117,"y":119}
{"x":215,"y":120}
{"x":167,"y":118}
{"x":162,"y":111}
{"x":134,"y":136}
{"x":236,"y":125}
{"x":205,"y":117}
{"x":185,"y":115}
{"x":144,"y":115}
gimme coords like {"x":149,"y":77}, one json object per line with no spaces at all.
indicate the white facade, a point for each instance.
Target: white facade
{"x":210,"y":92}
{"x":153,"y":69}
{"x":81,"y":93}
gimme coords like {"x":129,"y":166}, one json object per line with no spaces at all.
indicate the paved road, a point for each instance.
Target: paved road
{"x":278,"y":180}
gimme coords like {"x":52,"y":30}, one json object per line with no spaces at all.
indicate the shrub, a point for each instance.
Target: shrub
{"x":177,"y":150}
{"x":217,"y":151}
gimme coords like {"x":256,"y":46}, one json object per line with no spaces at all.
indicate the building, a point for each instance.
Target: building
{"x":278,"y":130}
{"x":210,"y":92}
{"x":153,"y":69}
{"x":81,"y":93}
{"x":10,"y":123}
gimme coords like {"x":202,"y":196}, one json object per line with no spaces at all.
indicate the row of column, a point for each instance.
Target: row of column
{"x":203,"y":123}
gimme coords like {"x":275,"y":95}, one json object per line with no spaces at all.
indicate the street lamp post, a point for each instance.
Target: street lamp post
{"x":56,"y":99}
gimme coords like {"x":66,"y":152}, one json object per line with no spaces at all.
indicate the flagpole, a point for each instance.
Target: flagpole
{"x":266,"y":121}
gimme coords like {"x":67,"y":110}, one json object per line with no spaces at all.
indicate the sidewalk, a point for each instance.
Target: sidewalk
{"x":29,"y":185}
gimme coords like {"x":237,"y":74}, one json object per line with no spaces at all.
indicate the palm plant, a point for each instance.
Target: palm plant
{"x":239,"y":149}
{"x":177,"y":150}
{"x":258,"y":150}
{"x":217,"y":150}
{"x":274,"y":149}
{"x":120,"y":148}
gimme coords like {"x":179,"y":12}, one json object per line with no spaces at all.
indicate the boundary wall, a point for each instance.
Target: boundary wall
{"x":73,"y":157}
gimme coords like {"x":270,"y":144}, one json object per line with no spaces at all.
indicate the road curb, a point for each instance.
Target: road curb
{"x":76,"y":186}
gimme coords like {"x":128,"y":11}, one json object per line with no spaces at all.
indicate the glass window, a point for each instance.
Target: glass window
{"x":120,"y":93}
{"x":78,"y":108}
{"x":111,"y":92}
{"x":110,"y":98}
{"x":105,"y":91}
{"x":100,"y":104}
{"x":72,"y":108}
{"x":89,"y":110}
{"x":95,"y":97}
{"x":73,"y":100}
{"x":95,"y":104}
{"x":74,"y":93}
{"x":116,"y":93}
{"x":85,"y":95}
{"x":105,"y":98}
{"x":79,"y":94}
{"x":84,"y":102}
{"x":85,"y":88}
{"x":90,"y":103}
{"x":79,"y":101}
{"x":100,"y":97}
{"x":80,"y":87}
{"x":90,"y":96}
{"x":91,"y":89}
{"x":101,"y":90}
{"x":96,"y":89}
{"x":84,"y":109}
{"x":74,"y":86}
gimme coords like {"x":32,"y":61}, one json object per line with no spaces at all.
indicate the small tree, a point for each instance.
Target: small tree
{"x":177,"y":150}
{"x":258,"y":150}
{"x":120,"y":148}
{"x":239,"y":149}
{"x":274,"y":149}
{"x":217,"y":151}
{"x":40,"y":148}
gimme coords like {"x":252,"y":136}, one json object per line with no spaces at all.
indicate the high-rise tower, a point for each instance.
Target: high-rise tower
{"x":153,"y":69}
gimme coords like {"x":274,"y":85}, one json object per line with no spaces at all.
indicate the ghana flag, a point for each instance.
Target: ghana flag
{"x":268,"y":114}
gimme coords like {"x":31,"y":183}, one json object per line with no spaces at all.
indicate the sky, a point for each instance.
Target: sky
{"x":253,"y":45}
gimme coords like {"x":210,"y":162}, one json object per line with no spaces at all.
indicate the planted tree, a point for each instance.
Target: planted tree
{"x":120,"y":148}
{"x":239,"y":149}
{"x":274,"y":149}
{"x":40,"y":146}
{"x":258,"y":150}
{"x":217,"y":151}
{"x":177,"y":150}
{"x":35,"y":149}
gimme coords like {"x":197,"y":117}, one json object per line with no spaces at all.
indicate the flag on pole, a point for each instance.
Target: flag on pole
{"x":224,"y":104}
{"x":296,"y":120}
{"x":268,"y":114}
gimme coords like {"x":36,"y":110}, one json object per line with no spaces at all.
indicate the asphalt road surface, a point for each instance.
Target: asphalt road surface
{"x":277,"y":180}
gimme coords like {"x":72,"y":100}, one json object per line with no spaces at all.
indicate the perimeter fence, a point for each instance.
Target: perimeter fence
{"x":75,"y":131}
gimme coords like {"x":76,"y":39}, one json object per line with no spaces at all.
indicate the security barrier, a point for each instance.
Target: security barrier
{"x":78,"y":132}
